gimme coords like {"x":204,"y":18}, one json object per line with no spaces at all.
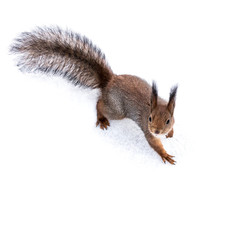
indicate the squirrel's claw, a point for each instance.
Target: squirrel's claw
{"x":103,"y":122}
{"x":168,"y":158}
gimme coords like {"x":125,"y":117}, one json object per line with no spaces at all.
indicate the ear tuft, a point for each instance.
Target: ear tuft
{"x":154,"y":96}
{"x":172,"y":99}
{"x":173,"y":92}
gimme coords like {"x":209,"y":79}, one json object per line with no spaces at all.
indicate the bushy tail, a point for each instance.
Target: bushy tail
{"x":64,"y":53}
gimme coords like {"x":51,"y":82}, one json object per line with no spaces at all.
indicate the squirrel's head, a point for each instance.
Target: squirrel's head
{"x":161,"y":119}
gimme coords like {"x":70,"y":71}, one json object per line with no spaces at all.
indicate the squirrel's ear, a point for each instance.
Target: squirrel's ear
{"x":172,"y":99}
{"x":154,"y":96}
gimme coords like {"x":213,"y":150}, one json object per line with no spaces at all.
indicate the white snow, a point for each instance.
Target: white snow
{"x":63,"y":178}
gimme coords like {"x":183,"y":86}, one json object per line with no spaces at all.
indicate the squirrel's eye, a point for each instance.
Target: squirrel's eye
{"x":168,"y":121}
{"x":150,"y":119}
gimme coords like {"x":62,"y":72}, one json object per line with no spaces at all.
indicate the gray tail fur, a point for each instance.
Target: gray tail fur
{"x":64,"y":53}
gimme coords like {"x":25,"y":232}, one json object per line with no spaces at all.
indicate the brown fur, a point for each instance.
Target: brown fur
{"x":51,"y":50}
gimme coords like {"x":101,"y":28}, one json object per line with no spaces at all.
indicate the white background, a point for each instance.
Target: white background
{"x":63,"y":178}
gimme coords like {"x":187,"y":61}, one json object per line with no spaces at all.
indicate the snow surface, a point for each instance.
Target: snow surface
{"x":63,"y":178}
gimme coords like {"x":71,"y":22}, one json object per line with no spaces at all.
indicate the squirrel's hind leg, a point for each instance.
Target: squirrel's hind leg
{"x":101,"y":119}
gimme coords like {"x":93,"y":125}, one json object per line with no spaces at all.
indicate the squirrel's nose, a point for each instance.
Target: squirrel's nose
{"x":157,"y":132}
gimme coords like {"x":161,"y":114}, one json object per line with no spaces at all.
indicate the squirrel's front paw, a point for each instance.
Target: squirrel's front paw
{"x":166,"y":157}
{"x":170,"y":134}
{"x":104,"y":123}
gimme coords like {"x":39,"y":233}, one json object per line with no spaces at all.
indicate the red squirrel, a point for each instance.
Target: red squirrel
{"x":73,"y":56}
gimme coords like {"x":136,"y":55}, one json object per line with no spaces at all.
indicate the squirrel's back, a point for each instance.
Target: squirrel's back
{"x":54,"y":51}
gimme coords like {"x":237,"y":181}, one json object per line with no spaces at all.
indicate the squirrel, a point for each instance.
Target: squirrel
{"x":64,"y":53}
